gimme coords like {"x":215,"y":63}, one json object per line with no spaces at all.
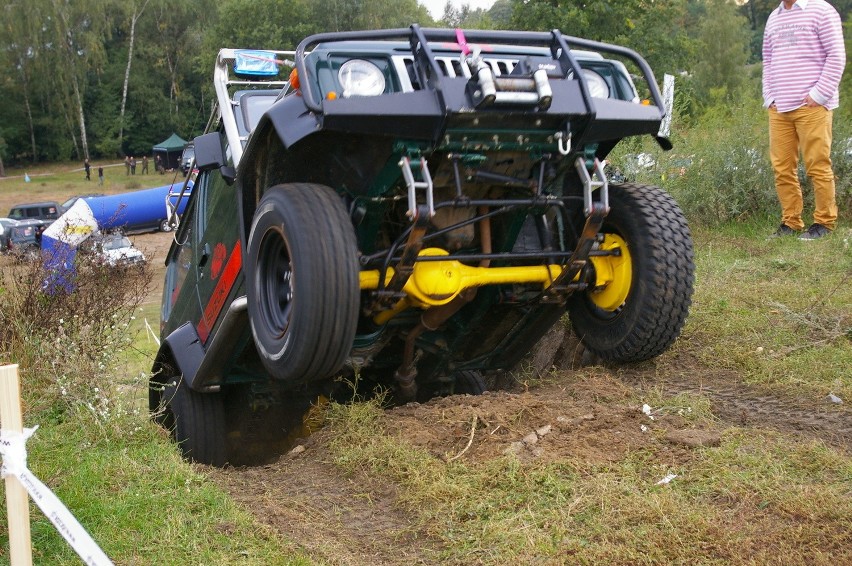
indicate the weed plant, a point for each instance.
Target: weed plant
{"x":67,"y":335}
{"x":719,"y":169}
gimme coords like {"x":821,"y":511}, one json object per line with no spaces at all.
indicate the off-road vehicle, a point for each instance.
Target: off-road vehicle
{"x":410,"y":210}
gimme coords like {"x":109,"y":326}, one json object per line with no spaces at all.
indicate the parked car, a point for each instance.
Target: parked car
{"x":187,"y":158}
{"x":35,"y":211}
{"x":5,"y":226}
{"x":413,"y":212}
{"x":63,"y":208}
{"x":114,"y":250}
{"x":25,"y":237}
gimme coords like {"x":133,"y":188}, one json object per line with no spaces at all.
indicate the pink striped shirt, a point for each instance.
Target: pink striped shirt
{"x":803,"y":54}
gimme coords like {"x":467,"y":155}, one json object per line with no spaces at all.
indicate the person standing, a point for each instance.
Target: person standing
{"x":144,"y":165}
{"x":88,"y":169}
{"x":132,"y":165}
{"x":127,"y":164}
{"x":803,"y":61}
{"x":101,"y":175}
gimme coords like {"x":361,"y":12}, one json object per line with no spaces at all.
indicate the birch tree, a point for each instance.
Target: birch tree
{"x":79,"y":29}
{"x":134,"y":17}
{"x":20,"y":34}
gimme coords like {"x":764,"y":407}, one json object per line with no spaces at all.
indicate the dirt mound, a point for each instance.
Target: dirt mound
{"x":348,"y":519}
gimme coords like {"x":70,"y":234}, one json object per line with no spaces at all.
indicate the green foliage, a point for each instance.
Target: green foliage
{"x":844,"y":113}
{"x":466,"y":17}
{"x":723,"y":43}
{"x":268,"y":27}
{"x":344,"y":15}
{"x":664,"y":34}
{"x":66,"y":62}
{"x":719,"y":169}
{"x":841,"y":161}
{"x":501,"y":13}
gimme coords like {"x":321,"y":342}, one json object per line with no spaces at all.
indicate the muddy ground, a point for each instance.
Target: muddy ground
{"x":590,"y":416}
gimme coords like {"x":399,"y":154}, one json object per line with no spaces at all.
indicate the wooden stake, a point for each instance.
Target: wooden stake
{"x":17,"y":499}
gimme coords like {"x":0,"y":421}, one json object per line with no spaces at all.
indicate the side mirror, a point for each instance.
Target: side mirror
{"x":210,"y":155}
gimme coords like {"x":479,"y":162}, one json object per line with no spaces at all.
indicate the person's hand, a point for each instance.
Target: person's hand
{"x":810,"y":102}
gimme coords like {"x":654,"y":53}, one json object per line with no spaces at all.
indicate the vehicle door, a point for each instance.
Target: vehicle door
{"x":219,"y":265}
{"x":180,"y":291}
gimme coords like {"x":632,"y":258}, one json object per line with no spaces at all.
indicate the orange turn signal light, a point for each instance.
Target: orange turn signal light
{"x":331,"y":96}
{"x":294,"y":79}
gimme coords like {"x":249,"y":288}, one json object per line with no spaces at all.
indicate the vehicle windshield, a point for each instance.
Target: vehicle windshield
{"x":255,"y":106}
{"x":116,"y":243}
{"x":23,"y":231}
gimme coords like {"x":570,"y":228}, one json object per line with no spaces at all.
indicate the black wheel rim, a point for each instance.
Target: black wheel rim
{"x":274,"y":278}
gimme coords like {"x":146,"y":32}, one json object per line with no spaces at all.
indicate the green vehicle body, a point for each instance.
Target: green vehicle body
{"x":413,"y":236}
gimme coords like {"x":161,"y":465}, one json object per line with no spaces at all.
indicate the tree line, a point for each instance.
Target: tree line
{"x":108,"y":78}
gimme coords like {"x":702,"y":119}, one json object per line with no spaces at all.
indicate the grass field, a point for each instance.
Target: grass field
{"x":768,"y":339}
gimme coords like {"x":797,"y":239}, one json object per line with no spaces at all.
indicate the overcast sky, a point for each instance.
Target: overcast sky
{"x":436,"y":7}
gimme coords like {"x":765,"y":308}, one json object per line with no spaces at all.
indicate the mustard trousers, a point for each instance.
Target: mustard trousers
{"x":808,"y":130}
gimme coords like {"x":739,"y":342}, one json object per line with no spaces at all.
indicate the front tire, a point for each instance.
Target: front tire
{"x":196,"y":422}
{"x":661,"y":273}
{"x":302,"y":282}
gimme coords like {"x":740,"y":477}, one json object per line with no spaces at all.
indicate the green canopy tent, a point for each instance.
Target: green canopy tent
{"x":170,"y":150}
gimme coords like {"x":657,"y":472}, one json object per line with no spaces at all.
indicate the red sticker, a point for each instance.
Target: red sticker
{"x":219,"y":253}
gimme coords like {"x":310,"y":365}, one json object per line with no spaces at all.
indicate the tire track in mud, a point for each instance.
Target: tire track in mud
{"x":336,"y":518}
{"x":732,"y":401}
{"x":750,"y":406}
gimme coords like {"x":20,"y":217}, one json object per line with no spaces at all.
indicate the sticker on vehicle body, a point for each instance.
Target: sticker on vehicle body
{"x":220,"y":293}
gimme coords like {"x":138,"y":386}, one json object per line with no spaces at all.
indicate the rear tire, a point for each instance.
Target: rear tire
{"x":469,"y":382}
{"x":302,"y":282}
{"x":662,"y":273}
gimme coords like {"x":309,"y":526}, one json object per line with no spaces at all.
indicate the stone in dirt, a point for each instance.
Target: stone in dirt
{"x":694,"y":438}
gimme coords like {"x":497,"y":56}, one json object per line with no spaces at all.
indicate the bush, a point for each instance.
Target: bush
{"x":719,"y":169}
{"x":841,"y":158}
{"x":67,"y":342}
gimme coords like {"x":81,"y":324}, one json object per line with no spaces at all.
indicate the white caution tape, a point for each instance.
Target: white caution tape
{"x":152,"y":333}
{"x":14,"y":452}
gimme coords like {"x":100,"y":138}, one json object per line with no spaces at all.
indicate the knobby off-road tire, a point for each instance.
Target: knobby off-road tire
{"x":468,"y":382}
{"x":660,"y":246}
{"x":196,"y":421}
{"x":302,"y":282}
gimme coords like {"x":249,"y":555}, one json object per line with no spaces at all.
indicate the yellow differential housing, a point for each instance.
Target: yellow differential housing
{"x":613,"y":274}
{"x":435,"y":283}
